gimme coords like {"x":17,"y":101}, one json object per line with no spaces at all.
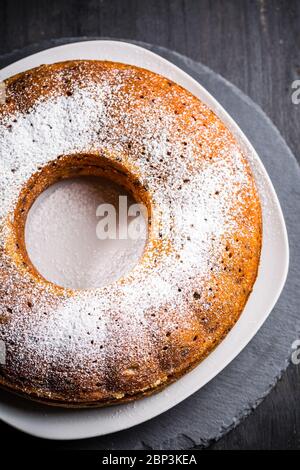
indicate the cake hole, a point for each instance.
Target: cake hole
{"x":61,"y":235}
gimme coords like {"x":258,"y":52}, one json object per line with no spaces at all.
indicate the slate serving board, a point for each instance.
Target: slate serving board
{"x":237,"y":390}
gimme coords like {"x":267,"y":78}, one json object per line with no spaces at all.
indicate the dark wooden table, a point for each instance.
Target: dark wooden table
{"x":255,"y":45}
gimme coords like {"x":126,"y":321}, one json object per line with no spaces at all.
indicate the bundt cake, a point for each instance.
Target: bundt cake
{"x":94,"y":347}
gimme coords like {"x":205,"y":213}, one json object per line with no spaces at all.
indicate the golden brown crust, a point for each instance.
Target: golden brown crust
{"x":175,"y":335}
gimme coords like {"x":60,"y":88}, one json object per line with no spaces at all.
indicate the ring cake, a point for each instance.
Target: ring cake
{"x":94,"y":347}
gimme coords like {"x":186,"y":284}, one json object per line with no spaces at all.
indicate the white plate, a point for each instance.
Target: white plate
{"x":54,"y":423}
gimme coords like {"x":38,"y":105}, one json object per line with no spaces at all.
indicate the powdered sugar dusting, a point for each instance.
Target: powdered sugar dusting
{"x":51,"y":129}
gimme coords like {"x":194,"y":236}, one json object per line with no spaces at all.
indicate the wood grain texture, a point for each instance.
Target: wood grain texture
{"x":255,"y":45}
